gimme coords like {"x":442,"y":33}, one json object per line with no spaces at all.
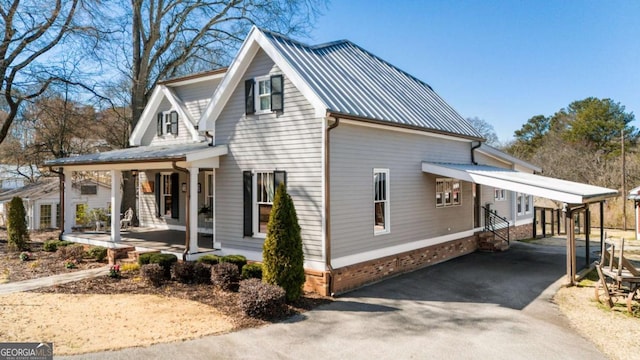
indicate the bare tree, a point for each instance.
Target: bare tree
{"x":32,"y":30}
{"x":485,"y":129}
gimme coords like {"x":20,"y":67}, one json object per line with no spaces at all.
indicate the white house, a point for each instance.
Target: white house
{"x":385,"y":175}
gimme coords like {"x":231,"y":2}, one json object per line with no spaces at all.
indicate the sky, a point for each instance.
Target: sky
{"x":501,"y":61}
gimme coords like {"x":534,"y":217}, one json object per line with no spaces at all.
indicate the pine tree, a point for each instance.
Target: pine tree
{"x":282,"y":250}
{"x":17,"y":225}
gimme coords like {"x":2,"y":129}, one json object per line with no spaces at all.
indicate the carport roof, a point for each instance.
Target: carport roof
{"x":547,"y":187}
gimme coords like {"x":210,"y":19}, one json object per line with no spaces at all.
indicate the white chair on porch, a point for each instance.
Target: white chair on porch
{"x":125,"y":223}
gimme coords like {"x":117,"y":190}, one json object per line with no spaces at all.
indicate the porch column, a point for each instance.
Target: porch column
{"x":68,"y":207}
{"x":116,"y":197}
{"x":192,"y":222}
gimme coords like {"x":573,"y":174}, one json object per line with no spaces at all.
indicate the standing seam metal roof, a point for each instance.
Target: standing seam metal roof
{"x":353,"y":81}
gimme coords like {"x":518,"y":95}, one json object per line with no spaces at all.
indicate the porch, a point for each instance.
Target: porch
{"x":146,"y":239}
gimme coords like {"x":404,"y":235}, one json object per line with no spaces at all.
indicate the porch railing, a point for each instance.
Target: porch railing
{"x":495,"y":223}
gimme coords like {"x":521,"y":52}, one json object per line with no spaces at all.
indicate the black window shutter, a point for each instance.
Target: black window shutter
{"x":277,"y":92}
{"x":175,"y":196}
{"x":174,"y":123}
{"x":247,"y":195}
{"x":158,"y":188}
{"x":159,"y":124}
{"x":279,"y":177}
{"x":249,"y":100}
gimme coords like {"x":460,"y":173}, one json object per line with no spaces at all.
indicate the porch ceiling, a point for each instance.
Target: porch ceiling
{"x":145,"y":157}
{"x":547,"y":187}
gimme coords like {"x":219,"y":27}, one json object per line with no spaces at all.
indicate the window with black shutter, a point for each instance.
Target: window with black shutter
{"x":175,"y":193}
{"x":250,"y":107}
{"x":264,"y":94}
{"x":247,"y":195}
{"x":158,"y":191}
{"x":259,"y":190}
{"x":173,"y":118}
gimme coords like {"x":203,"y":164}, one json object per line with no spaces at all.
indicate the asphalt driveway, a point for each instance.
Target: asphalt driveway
{"x":483,"y":305}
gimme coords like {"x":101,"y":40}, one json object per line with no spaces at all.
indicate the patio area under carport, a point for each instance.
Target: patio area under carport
{"x":575,"y":197}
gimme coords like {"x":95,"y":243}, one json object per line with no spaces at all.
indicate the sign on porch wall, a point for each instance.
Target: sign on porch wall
{"x":148,"y":187}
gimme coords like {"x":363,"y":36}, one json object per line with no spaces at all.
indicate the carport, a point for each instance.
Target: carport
{"x":574,"y":196}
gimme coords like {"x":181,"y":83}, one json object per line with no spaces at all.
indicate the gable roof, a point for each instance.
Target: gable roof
{"x":164,"y":90}
{"x":343,"y":79}
{"x":33,"y":191}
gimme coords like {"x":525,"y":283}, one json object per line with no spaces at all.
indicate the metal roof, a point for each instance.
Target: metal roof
{"x":555,"y":189}
{"x":352,"y":81}
{"x":32,"y":191}
{"x":172,"y":152}
{"x":634,"y":194}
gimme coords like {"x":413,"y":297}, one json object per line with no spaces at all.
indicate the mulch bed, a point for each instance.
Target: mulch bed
{"x":42,"y":263}
{"x":226,"y":302}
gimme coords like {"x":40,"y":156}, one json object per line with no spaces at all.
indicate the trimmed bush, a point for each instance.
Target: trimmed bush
{"x":183,"y":271}
{"x":72,"y":252}
{"x":53,"y":245}
{"x":97,"y":252}
{"x":225,"y":276}
{"x":17,"y":233}
{"x":209,"y":259}
{"x":252,"y":271}
{"x":152,"y":273}
{"x":202,"y":273}
{"x":282,"y":250}
{"x":260,"y":300}
{"x":164,"y":260}
{"x":237,"y":260}
{"x":144,"y":259}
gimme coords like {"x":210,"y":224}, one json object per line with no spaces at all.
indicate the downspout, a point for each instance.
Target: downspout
{"x":187,"y":232}
{"x":327,"y":204}
{"x":61,"y":176}
{"x":473,"y":149}
{"x":208,"y":135}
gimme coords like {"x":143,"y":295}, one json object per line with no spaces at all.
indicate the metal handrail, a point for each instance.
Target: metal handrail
{"x":497,"y":224}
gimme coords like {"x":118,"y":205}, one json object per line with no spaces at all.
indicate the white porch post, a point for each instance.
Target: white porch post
{"x":193,"y":209}
{"x":116,"y":177}
{"x":69,"y":219}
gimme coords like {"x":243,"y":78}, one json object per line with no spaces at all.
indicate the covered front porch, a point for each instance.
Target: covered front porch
{"x":146,"y":239}
{"x":171,"y":196}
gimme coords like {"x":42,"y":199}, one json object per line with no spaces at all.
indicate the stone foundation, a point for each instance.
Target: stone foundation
{"x":114,"y":254}
{"x":521,"y":232}
{"x":354,"y":276}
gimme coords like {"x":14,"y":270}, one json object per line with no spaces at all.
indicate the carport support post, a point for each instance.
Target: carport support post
{"x":116,"y":197}
{"x":570,"y":229}
{"x":601,"y":223}
{"x":587,"y":232}
{"x":193,"y":210}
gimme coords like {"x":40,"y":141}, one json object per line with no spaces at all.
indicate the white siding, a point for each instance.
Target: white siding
{"x":355,"y":152}
{"x":504,"y":208}
{"x":196,"y":96}
{"x":289,"y":141}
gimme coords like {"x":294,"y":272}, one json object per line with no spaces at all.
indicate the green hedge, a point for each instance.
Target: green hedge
{"x":53,"y":245}
{"x":97,"y":252}
{"x":209,"y":259}
{"x":237,"y":260}
{"x":252,"y":271}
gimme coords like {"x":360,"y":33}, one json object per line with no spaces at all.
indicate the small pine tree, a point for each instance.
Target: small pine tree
{"x":282,"y":250}
{"x":17,"y":225}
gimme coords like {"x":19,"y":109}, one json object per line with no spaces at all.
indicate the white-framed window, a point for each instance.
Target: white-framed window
{"x":45,"y":216}
{"x":523,"y":203}
{"x":165,"y":195}
{"x":167,"y":123}
{"x":500,"y":194}
{"x":263,"y":95}
{"x":381,"y":220}
{"x":81,"y":213}
{"x":265,"y":191}
{"x":448,"y":192}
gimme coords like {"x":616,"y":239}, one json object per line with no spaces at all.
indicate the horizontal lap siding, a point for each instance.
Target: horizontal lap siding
{"x":289,"y":141}
{"x":355,"y":152}
{"x":147,"y":202}
{"x":196,"y":97}
{"x":504,"y":208}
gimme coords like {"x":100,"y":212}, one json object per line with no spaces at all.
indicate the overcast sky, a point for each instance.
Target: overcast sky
{"x":502,"y":61}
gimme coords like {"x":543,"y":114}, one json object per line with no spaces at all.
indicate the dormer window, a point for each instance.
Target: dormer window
{"x":167,"y":123}
{"x":264,"y":94}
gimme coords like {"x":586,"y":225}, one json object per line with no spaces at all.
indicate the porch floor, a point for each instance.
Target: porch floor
{"x":145,"y":239}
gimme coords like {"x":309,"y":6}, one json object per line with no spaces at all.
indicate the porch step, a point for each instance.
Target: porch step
{"x":488,"y":242}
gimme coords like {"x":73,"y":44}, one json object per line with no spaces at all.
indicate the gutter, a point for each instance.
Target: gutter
{"x":187,"y":232}
{"x":327,"y":204}
{"x":62,"y":211}
{"x":473,"y":149}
